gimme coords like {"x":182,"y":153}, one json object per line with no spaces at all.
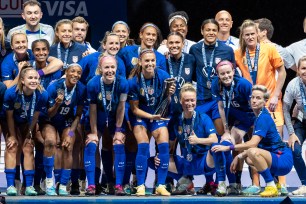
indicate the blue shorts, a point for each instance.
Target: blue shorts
{"x":150,"y":125}
{"x":60,"y":126}
{"x":102,"y":125}
{"x":171,"y":126}
{"x":282,"y":162}
{"x":242,"y":120}
{"x":210,"y":108}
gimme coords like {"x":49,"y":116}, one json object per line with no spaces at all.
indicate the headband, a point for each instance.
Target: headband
{"x":224,"y":62}
{"x":121,"y":22}
{"x":144,"y":51}
{"x":103,"y":58}
{"x":74,"y":65}
{"x":175,"y":17}
{"x":148,"y":25}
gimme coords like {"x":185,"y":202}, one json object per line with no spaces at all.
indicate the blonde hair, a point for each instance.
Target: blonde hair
{"x":137,"y":69}
{"x":245,"y":24}
{"x":105,"y":38}
{"x":58,"y":24}
{"x":81,"y":20}
{"x":102,"y":57}
{"x":263,"y":89}
{"x":187,"y":87}
{"x":26,"y":67}
{"x":2,"y":40}
{"x":18,"y":33}
{"x":302,"y":59}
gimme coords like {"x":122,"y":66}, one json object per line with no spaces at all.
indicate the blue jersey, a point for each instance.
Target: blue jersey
{"x":242,"y":92}
{"x":67,"y":108}
{"x":130,"y":55}
{"x":22,"y":110}
{"x":112,"y":93}
{"x":154,"y":89}
{"x":2,"y":92}
{"x":69,"y":55}
{"x":9,"y":67}
{"x":183,"y":76}
{"x":204,"y":75}
{"x":265,"y":127}
{"x":90,"y":63}
{"x":203,"y":127}
{"x":4,"y":53}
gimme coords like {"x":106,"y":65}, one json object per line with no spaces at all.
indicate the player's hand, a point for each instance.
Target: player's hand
{"x":273,"y":103}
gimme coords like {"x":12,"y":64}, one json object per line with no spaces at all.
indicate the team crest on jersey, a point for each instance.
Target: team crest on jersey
{"x":17,"y":105}
{"x":180,"y":130}
{"x":141,"y":91}
{"x":3,"y":52}
{"x":75,"y":59}
{"x":100,"y":96}
{"x":188,"y":129}
{"x":150,"y":90}
{"x":108,"y":95}
{"x":217,"y":60}
{"x":187,"y":70}
{"x":134,"y":61}
{"x":67,"y":102}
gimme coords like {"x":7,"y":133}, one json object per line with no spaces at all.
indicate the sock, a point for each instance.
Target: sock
{"x":10,"y":176}
{"x":271,"y":183}
{"x":129,"y":165}
{"x":48,"y":165}
{"x":103,"y":179}
{"x":119,"y":162}
{"x":141,"y":162}
{"x":238,"y":176}
{"x":57,"y":175}
{"x":82,"y":175}
{"x":219,"y":160}
{"x":75,"y":175}
{"x":17,"y":174}
{"x":209,"y":178}
{"x":97,"y":175}
{"x":90,"y":162}
{"x":29,"y":174}
{"x":107,"y":161}
{"x":266,"y":174}
{"x":228,"y":161}
{"x":162,"y":170}
{"x":65,"y":176}
{"x":39,"y":167}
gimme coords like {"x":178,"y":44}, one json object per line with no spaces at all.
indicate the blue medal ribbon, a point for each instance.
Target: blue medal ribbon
{"x":107,"y":108}
{"x":186,"y":134}
{"x":227,"y":103}
{"x":33,"y":103}
{"x":59,"y":55}
{"x":179,"y":72}
{"x":68,"y":97}
{"x":208,"y":75}
{"x":146,"y":89}
{"x":303,"y":94}
{"x":253,"y":70}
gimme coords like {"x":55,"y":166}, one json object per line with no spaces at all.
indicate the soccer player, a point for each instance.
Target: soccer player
{"x":122,"y":29}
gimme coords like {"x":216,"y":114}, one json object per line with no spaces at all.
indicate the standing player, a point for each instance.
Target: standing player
{"x":32,"y":14}
{"x":122,"y":29}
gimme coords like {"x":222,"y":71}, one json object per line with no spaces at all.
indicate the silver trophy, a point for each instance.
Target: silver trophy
{"x":163,"y":107}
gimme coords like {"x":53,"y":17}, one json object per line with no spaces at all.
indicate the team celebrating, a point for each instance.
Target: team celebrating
{"x":67,"y":108}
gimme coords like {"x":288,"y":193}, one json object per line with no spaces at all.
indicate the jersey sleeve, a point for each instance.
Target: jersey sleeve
{"x":260,"y":126}
{"x":133,"y":91}
{"x":121,"y":67}
{"x":8,"y":102}
{"x":92,"y":91}
{"x":42,"y":102}
{"x":208,"y":125}
{"x":82,"y":94}
{"x":6,"y":69}
{"x":275,"y":58}
{"x":215,"y":90}
{"x":51,"y":99}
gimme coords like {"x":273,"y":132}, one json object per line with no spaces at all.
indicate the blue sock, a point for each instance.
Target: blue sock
{"x":97,"y":175}
{"x":57,"y":175}
{"x":90,"y":162}
{"x":129,"y":164}
{"x":209,"y":178}
{"x":219,"y":160}
{"x":163,"y":155}
{"x":48,"y":165}
{"x":82,"y":174}
{"x":17,"y":174}
{"x":266,"y":174}
{"x":29,"y":175}
{"x":39,"y":167}
{"x":119,"y":163}
{"x":65,"y":176}
{"x":10,"y":176}
{"x":107,"y":161}
{"x":228,"y":161}
{"x":174,"y":175}
{"x":141,"y":162}
{"x":75,"y":175}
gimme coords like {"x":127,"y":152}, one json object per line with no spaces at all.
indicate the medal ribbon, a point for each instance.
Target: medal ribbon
{"x":108,"y":107}
{"x":59,"y":54}
{"x":33,"y":103}
{"x":227,"y":103}
{"x":146,"y":88}
{"x":208,"y":75}
{"x":186,"y":135}
{"x":253,"y":71}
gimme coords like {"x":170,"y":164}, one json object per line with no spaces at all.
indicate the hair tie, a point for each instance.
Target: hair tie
{"x":121,"y":22}
{"x":177,"y":16}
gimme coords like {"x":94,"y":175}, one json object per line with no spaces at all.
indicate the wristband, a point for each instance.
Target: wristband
{"x":41,"y":72}
{"x":232,"y":147}
{"x":118,"y":129}
{"x":70,"y":133}
{"x":240,"y":156}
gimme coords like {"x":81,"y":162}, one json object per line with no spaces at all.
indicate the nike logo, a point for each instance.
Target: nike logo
{"x":211,"y":130}
{"x":256,"y":131}
{"x":6,"y":76}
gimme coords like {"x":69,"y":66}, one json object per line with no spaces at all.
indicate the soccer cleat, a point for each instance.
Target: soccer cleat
{"x":119,"y":191}
{"x":161,"y":190}
{"x":233,"y":189}
{"x":62,"y":190}
{"x":110,"y":189}
{"x":140,"y":190}
{"x":11,"y":191}
{"x":221,"y":190}
{"x":39,"y":190}
{"x":18,"y":185}
{"x":282,"y":189}
{"x":270,"y":191}
{"x":99,"y":189}
{"x":184,"y":187}
{"x":251,"y":190}
{"x":75,"y":189}
{"x":51,"y":191}
{"x":91,"y":190}
{"x":82,"y":184}
{"x":208,"y":188}
{"x":300,"y":191}
{"x":127,"y":189}
{"x":30,"y":191}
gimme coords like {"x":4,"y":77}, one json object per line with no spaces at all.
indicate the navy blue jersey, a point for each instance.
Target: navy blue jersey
{"x":154,"y":87}
{"x":203,"y":127}
{"x":90,"y":63}
{"x":130,"y":54}
{"x":241,"y":95}
{"x":265,"y":127}
{"x":4,"y":53}
{"x":201,"y":75}
{"x":22,"y":112}
{"x":185,"y":76}
{"x":95,"y":96}
{"x":2,"y":92}
{"x":67,"y":108}
{"x":75,"y":51}
{"x":9,"y":67}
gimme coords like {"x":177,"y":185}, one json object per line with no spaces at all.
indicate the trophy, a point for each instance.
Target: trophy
{"x":163,"y":106}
